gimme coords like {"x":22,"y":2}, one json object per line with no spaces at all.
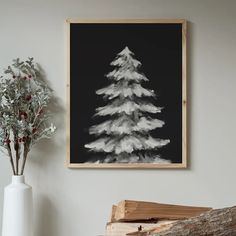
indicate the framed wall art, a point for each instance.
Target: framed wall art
{"x":126,"y":94}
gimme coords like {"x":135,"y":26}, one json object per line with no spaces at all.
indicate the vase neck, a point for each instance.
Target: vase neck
{"x":16,"y":179}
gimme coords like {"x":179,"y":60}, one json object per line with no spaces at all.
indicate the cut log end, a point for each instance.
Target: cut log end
{"x":113,"y":212}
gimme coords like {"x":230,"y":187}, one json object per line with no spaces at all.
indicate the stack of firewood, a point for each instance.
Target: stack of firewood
{"x":137,"y":218}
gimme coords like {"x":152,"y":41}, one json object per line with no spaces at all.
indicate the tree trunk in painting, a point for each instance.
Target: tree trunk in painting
{"x":125,"y":136}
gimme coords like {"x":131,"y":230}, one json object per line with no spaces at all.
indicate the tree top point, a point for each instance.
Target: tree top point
{"x":126,"y":51}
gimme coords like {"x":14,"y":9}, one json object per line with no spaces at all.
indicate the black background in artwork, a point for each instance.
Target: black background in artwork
{"x":92,"y":48}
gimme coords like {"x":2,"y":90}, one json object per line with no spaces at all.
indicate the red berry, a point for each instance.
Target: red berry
{"x":24,"y":114}
{"x":30,"y":76}
{"x":13,"y":76}
{"x":7,"y":141}
{"x":25,"y":78}
{"x":28,"y":98}
{"x":34,"y":130}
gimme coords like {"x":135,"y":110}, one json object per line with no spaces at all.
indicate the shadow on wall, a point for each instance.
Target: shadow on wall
{"x":47,"y":217}
{"x":43,"y":158}
{"x":48,"y":149}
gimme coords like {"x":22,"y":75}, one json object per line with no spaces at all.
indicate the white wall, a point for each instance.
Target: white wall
{"x":78,"y":202}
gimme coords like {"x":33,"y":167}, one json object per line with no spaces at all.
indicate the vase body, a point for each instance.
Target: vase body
{"x":17,"y":208}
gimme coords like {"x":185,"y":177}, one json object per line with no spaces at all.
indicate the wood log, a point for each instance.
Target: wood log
{"x":123,"y":228}
{"x":220,"y":222}
{"x":151,"y":231}
{"x":129,"y":210}
{"x":113,"y":211}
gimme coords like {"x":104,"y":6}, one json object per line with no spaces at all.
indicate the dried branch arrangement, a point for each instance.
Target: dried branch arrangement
{"x":24,"y":98}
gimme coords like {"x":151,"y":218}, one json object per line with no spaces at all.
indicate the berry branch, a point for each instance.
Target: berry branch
{"x":24,"y":98}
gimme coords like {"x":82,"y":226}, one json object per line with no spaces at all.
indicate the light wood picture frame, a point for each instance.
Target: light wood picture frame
{"x":127,"y":94}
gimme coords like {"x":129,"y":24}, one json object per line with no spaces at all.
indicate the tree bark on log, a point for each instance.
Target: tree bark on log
{"x":220,"y":222}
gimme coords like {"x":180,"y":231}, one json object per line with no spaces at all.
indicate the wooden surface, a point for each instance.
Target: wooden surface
{"x":184,"y":96}
{"x":129,"y":210}
{"x":68,"y":99}
{"x":221,"y":222}
{"x":127,"y":21}
{"x":113,"y":212}
{"x":122,"y":229}
{"x":152,"y":231}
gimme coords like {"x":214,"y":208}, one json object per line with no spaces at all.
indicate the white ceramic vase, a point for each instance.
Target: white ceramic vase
{"x":17,"y":208}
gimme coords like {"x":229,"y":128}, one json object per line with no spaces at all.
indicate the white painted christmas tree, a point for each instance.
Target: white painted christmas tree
{"x":125,"y":136}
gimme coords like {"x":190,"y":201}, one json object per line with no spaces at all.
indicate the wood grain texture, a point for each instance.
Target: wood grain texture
{"x":68,"y":99}
{"x":113,"y":212}
{"x":184,"y":94}
{"x":127,"y":21}
{"x":123,"y":228}
{"x":125,"y":166}
{"x":129,"y":210}
{"x":220,"y":222}
{"x":152,"y":231}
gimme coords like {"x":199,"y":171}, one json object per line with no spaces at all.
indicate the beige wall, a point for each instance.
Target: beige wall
{"x":78,"y":202}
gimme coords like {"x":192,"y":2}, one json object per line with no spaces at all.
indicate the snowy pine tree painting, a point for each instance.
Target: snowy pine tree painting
{"x":130,"y":116}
